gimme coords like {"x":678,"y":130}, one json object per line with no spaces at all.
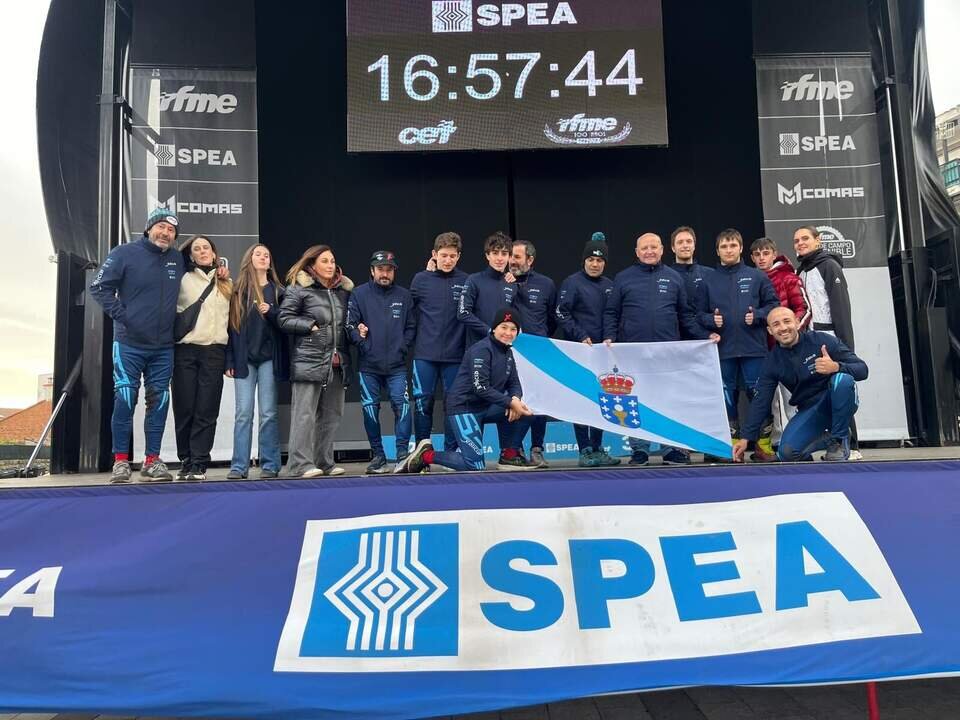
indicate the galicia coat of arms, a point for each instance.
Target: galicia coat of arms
{"x":617,"y":405}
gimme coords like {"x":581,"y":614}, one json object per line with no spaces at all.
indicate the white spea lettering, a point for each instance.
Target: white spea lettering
{"x":806,"y":88}
{"x":535,"y":14}
{"x":197,"y":156}
{"x":185,"y":100}
{"x":428,"y":135}
{"x":34,"y":592}
{"x":819,"y":143}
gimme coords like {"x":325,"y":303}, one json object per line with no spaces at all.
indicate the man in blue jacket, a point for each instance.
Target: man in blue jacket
{"x":683,"y":242}
{"x":735,"y":302}
{"x":137,"y":286}
{"x":580,"y":315}
{"x":648,"y":303}
{"x":381,"y":323}
{"x":487,"y":389}
{"x":821,"y":373}
{"x":440,"y":334}
{"x":488,"y":290}
{"x":537,"y":301}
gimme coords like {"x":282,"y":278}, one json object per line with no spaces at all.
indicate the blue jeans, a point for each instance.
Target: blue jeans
{"x":829,"y":417}
{"x":156,"y":367}
{"x":589,"y":439}
{"x":731,"y":370}
{"x":468,"y":430}
{"x":371,"y":385}
{"x":425,"y":376}
{"x":260,"y":383}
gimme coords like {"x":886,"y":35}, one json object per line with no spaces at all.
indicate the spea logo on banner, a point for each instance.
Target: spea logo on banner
{"x":510,"y":589}
{"x":388,"y":591}
{"x":452,"y":16}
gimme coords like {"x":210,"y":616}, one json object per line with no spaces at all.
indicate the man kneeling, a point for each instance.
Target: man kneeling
{"x":486,"y":389}
{"x":821,"y":373}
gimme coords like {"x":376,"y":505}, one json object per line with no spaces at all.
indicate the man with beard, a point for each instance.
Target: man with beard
{"x":537,"y":301}
{"x":381,"y":324}
{"x":821,"y":373}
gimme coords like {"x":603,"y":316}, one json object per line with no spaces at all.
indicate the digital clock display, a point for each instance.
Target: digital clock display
{"x":434,"y":75}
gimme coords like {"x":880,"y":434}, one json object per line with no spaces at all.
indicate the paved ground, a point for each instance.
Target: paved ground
{"x":909,"y":700}
{"x":356,"y":469}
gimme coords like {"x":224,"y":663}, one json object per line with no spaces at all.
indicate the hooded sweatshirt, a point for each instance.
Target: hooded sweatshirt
{"x":822,"y":276}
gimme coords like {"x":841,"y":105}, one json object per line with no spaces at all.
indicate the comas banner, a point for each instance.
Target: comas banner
{"x":820,"y":166}
{"x":669,"y":392}
{"x":443,"y":594}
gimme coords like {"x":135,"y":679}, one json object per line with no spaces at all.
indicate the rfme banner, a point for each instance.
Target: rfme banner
{"x":667,"y":392}
{"x":447,"y":594}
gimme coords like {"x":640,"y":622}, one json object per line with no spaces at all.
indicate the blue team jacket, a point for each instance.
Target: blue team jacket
{"x":734,"y":289}
{"x":796,"y":368}
{"x":580,"y":307}
{"x":436,"y":301}
{"x":137,"y":286}
{"x":388,"y":313}
{"x":487,"y":376}
{"x":648,"y":303}
{"x":484,"y":293}
{"x":537,"y":301}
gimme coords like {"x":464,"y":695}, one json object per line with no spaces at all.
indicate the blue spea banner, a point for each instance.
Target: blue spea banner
{"x":437,"y":595}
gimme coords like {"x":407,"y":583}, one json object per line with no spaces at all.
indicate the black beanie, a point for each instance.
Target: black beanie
{"x":596,"y":248}
{"x":506,"y":314}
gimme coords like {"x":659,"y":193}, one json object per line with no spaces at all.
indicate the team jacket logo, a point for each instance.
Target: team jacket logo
{"x":388,"y":591}
{"x":617,"y":405}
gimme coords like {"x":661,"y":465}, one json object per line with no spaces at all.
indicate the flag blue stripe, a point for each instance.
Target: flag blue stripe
{"x":544,"y":354}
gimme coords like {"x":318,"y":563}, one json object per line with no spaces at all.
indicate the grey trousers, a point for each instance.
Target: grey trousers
{"x":314,"y":417}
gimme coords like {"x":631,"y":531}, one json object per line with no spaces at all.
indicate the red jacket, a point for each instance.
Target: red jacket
{"x":790,"y":290}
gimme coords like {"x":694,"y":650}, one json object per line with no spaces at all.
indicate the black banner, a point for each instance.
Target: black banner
{"x":819,"y":155}
{"x":194,"y":151}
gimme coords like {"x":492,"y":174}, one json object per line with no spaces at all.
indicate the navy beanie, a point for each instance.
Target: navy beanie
{"x":162,"y":214}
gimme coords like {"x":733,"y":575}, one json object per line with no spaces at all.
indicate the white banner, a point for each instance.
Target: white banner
{"x":669,"y":392}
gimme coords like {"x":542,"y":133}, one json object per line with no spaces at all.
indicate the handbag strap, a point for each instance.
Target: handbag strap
{"x":206,"y":292}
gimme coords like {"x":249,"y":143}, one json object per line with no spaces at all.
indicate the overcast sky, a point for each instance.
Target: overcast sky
{"x":29,"y":280}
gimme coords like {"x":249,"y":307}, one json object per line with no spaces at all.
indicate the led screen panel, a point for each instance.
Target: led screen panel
{"x":435,"y":75}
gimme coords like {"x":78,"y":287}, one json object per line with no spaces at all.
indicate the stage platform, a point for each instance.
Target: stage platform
{"x":234,"y":599}
{"x":219,"y":474}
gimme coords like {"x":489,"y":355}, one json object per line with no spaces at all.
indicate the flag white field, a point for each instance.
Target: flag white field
{"x":669,"y":392}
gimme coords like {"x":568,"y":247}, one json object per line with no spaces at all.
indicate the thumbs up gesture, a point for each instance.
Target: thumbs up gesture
{"x":748,"y":318}
{"x":825,"y":364}
{"x":717,"y":318}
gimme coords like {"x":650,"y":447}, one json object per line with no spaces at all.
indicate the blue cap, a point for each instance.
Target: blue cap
{"x":598,"y":237}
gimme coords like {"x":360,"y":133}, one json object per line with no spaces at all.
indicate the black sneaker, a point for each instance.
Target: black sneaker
{"x":639,"y":458}
{"x":182,"y":473}
{"x":121,"y":472}
{"x":378,"y":465}
{"x":197,"y":473}
{"x":413,"y":463}
{"x":155,"y":472}
{"x":676,"y":456}
{"x":517,"y":462}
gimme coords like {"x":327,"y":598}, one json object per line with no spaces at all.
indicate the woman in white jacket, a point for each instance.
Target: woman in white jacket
{"x":199,"y":358}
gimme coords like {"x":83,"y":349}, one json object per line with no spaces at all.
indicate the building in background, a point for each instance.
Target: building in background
{"x":45,"y":387}
{"x":948,"y":151}
{"x":24,"y":427}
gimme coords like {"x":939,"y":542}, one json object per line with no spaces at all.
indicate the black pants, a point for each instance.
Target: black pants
{"x":197,"y":387}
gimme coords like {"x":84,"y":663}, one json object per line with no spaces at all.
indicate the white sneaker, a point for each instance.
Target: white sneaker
{"x":312,"y":473}
{"x":335,"y":470}
{"x":855,"y":455}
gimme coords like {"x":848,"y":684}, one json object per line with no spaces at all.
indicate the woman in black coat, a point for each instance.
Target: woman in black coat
{"x":314,"y":312}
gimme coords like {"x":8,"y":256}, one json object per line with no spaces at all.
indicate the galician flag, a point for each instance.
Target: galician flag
{"x":668,"y":392}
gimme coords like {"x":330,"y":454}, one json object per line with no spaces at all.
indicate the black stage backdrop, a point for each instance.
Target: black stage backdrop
{"x":312,"y":191}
